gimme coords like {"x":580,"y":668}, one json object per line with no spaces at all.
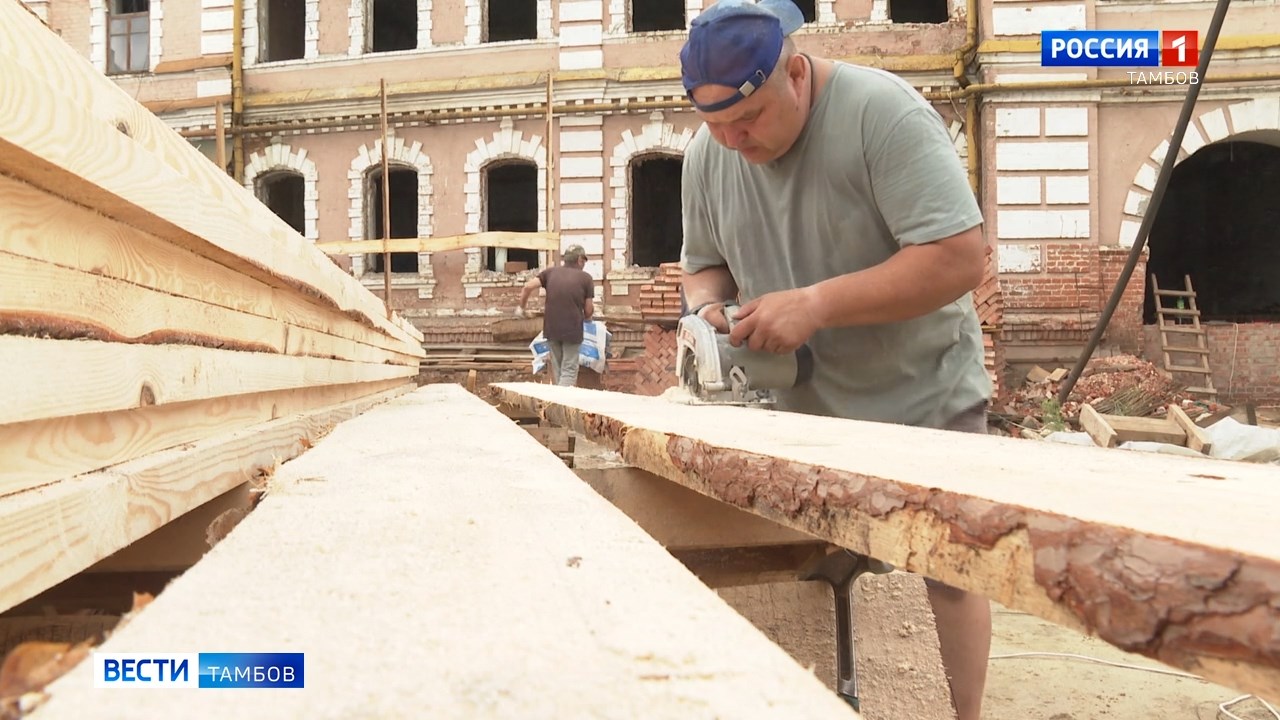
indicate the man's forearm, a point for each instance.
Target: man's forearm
{"x":713,"y":284}
{"x":915,"y":281}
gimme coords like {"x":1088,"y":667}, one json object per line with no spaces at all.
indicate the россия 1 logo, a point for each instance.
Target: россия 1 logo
{"x":1126,"y":48}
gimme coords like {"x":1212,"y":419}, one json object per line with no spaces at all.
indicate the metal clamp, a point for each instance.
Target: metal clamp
{"x":840,"y":569}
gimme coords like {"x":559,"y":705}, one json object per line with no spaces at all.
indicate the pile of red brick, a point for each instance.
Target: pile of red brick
{"x":987,"y":298}
{"x":660,"y":299}
{"x":993,"y":359}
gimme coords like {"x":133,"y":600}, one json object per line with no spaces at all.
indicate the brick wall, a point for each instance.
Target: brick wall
{"x":1064,"y":302}
{"x":649,"y":373}
{"x":1125,"y":329}
{"x":1070,"y":282}
{"x":1244,"y":357}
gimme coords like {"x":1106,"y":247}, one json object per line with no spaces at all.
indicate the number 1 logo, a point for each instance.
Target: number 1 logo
{"x":1179,"y":48}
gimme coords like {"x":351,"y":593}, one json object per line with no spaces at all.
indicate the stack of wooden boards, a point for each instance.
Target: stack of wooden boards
{"x":165,"y":337}
{"x":497,"y":356}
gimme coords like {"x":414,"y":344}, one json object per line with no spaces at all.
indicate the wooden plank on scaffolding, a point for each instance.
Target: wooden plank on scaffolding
{"x":392,"y":555}
{"x":40,"y":299}
{"x":1171,"y":557}
{"x":39,"y":226}
{"x":54,"y":378}
{"x":108,"y":152}
{"x":42,"y":451}
{"x":51,"y":533}
{"x":519,"y":240}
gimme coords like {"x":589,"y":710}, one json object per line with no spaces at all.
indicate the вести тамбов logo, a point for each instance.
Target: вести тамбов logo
{"x":205,"y":670}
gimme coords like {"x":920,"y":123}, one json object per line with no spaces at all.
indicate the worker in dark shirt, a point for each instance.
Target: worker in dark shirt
{"x":569,"y":303}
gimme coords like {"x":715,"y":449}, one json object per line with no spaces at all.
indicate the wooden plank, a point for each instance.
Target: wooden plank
{"x":1170,"y":557}
{"x":515,"y":329}
{"x":53,"y":532}
{"x":520,"y":240}
{"x":1196,"y":369}
{"x":510,"y":365}
{"x":107,"y":592}
{"x":682,"y":519}
{"x":42,"y":451}
{"x":94,"y":377}
{"x":1197,"y":439}
{"x":41,"y":299}
{"x":1145,"y":429}
{"x":760,"y":565}
{"x":1095,"y":423}
{"x":39,"y":226}
{"x":189,"y":64}
{"x":180,"y":543}
{"x":555,"y":439}
{"x":107,"y":151}
{"x":373,"y":597}
{"x":70,"y":629}
{"x":520,"y":416}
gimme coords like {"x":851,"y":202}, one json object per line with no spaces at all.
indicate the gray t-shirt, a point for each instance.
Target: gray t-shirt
{"x":873,"y":170}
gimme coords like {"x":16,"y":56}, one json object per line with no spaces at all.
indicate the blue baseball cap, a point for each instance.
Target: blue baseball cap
{"x":736,"y":43}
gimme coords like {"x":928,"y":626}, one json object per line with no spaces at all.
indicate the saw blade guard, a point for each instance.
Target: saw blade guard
{"x":698,"y":356}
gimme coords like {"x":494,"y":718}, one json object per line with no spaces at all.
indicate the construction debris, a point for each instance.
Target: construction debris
{"x":1120,"y":385}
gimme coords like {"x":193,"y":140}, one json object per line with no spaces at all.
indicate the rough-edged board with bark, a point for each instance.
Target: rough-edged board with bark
{"x":1174,"y":558}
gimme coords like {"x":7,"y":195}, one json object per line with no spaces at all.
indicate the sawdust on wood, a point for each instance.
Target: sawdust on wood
{"x":679,"y":395}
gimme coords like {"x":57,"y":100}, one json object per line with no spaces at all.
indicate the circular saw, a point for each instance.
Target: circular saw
{"x":714,"y":372}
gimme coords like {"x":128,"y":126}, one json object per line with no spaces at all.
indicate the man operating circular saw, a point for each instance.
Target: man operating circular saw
{"x":828,"y":200}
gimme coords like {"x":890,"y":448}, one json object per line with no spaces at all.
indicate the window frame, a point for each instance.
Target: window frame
{"x":130,"y":18}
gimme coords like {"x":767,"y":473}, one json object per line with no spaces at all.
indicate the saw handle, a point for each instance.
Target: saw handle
{"x":725,"y":305}
{"x":728,"y":309}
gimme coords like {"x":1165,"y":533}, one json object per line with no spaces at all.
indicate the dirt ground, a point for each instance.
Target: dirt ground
{"x":1053,"y":688}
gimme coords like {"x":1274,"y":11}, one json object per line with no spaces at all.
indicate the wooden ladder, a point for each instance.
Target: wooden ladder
{"x":1184,"y":319}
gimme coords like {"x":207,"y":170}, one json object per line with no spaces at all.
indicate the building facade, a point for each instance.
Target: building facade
{"x":533,"y":115}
